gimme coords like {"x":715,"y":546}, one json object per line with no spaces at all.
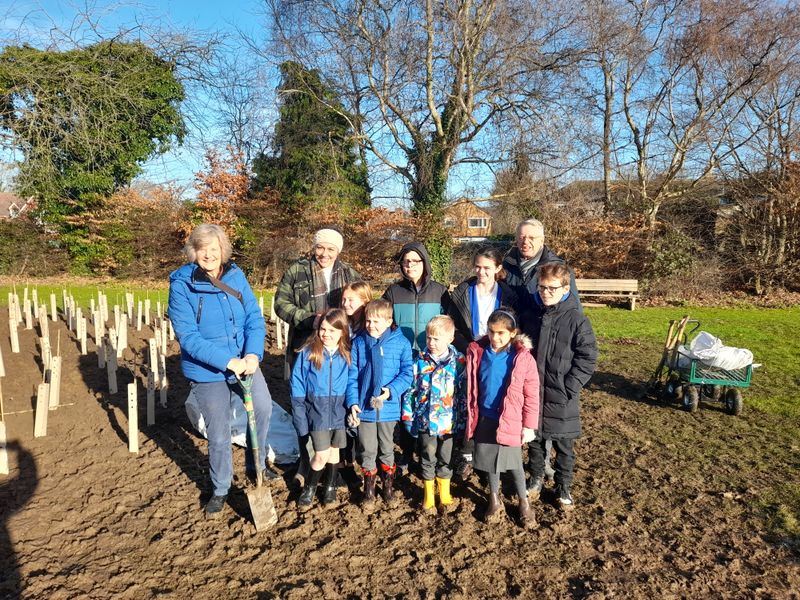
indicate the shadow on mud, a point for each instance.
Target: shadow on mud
{"x":14,"y":494}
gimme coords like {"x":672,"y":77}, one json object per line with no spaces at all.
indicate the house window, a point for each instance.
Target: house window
{"x":449,"y":222}
{"x":477,"y":223}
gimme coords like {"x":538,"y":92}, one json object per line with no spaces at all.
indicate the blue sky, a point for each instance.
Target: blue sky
{"x":37,"y":21}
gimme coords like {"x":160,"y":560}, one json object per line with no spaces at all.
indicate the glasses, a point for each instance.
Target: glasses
{"x":550,"y":288}
{"x":411,"y":263}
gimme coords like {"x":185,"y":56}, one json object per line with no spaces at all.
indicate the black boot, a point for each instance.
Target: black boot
{"x":388,"y":483}
{"x":309,"y":490}
{"x":329,"y":492}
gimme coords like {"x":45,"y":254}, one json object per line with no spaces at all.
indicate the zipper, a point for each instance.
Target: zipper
{"x":199,"y":309}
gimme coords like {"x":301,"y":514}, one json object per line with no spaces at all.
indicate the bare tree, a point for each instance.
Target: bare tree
{"x":688,"y":72}
{"x":429,"y":82}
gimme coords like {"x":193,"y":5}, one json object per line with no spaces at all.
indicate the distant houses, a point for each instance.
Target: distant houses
{"x":12,"y":206}
{"x":467,"y":221}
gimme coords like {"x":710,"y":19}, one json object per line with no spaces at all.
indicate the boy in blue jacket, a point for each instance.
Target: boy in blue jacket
{"x":380,"y":372}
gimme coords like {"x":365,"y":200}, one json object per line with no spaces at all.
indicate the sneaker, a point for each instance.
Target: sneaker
{"x":215,"y":506}
{"x":534,"y":486}
{"x":565,"y":498}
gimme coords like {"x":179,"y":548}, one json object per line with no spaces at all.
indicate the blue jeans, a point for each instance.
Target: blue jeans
{"x":215,"y":399}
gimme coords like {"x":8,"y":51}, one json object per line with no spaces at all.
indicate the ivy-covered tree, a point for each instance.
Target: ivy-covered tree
{"x":314,"y":162}
{"x":84,"y":121}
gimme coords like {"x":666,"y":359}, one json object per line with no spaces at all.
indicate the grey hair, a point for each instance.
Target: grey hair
{"x":204,"y":234}
{"x":532,"y":222}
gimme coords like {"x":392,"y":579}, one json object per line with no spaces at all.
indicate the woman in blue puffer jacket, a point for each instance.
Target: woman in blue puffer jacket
{"x":221,"y":331}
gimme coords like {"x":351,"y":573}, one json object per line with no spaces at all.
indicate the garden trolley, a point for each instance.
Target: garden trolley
{"x":689,"y":379}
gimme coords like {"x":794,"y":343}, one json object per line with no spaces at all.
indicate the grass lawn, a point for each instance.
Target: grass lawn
{"x":771,"y":334}
{"x":115,"y":293}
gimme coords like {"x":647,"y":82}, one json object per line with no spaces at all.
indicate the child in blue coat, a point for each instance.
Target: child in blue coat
{"x":435,"y":407}
{"x":380,"y":372}
{"x":319,"y":386}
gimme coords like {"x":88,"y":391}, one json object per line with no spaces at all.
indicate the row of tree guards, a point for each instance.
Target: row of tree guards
{"x":110,"y":335}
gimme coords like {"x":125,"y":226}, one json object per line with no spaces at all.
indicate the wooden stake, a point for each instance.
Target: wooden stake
{"x":151,"y":399}
{"x":42,"y":401}
{"x":133,"y":419}
{"x":53,"y":312}
{"x":55,"y":382}
{"x":35,"y":298}
{"x":2,"y":369}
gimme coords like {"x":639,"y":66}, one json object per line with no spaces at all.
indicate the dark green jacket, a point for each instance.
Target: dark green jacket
{"x":294,"y":304}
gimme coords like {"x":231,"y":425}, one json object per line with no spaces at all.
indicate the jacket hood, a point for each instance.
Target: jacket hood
{"x":423,"y":253}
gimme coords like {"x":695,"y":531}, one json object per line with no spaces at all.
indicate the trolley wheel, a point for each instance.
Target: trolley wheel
{"x":733,"y":401}
{"x":673,"y":390}
{"x":691,"y":398}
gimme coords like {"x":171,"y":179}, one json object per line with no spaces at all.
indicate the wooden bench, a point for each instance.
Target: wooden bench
{"x":609,"y":288}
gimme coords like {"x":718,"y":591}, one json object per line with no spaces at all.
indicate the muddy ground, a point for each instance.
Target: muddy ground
{"x":669,"y":505}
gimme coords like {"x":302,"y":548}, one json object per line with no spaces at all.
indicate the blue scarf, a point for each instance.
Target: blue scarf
{"x":373,"y":370}
{"x":473,"y":307}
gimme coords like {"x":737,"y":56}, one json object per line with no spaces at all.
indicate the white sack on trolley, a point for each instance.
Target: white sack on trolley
{"x":710,"y":350}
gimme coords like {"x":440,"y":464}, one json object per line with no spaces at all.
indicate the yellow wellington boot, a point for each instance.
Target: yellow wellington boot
{"x":444,"y":491}
{"x":428,"y":502}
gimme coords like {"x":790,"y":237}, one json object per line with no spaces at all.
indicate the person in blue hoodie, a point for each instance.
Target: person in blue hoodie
{"x":381,"y":371}
{"x":416,"y":298}
{"x":221,"y":331}
{"x":318,"y":387}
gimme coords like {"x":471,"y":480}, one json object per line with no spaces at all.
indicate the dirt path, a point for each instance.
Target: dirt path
{"x":670,"y":505}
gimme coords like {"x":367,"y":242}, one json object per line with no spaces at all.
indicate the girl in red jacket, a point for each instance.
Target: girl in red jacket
{"x":502,"y":407}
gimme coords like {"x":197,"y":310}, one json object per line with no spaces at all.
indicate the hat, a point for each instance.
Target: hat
{"x":329,"y":236}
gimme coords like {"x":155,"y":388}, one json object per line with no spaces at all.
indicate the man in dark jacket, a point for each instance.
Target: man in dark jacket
{"x":565,"y":350}
{"x":530,"y":252}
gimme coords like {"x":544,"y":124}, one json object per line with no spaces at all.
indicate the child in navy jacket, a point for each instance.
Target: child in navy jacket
{"x":380,"y":372}
{"x":319,"y":385}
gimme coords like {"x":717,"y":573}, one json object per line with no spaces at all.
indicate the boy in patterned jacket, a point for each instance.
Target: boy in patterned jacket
{"x":434,"y":408}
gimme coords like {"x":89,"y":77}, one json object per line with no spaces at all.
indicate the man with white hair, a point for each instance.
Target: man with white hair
{"x":520,"y":265}
{"x":310,"y":286}
{"x":521,"y":262}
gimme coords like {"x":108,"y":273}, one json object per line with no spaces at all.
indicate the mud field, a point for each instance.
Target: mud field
{"x":669,"y":505}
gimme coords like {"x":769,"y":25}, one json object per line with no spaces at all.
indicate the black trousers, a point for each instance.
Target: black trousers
{"x":565,"y":460}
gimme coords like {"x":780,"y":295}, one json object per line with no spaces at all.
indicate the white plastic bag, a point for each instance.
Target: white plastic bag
{"x":281,"y":437}
{"x":710,"y":350}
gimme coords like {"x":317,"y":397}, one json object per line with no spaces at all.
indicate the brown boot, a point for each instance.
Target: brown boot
{"x":388,"y":482}
{"x":526,"y":517}
{"x":369,"y":485}
{"x":495,"y":509}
